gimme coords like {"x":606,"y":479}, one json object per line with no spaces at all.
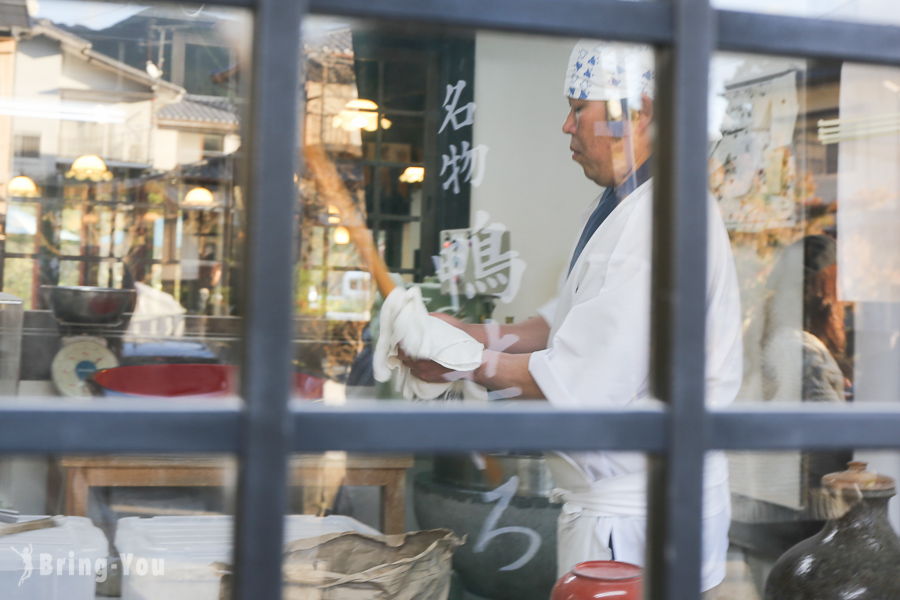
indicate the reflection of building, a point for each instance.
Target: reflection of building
{"x":197,"y":128}
{"x":194,"y":51}
{"x":71,"y":101}
{"x":151,"y":143}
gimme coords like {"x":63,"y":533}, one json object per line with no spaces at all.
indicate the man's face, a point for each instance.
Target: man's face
{"x":592,"y":145}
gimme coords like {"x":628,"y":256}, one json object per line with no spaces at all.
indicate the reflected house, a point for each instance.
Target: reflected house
{"x":196,"y":142}
{"x":69,"y":101}
{"x":127,"y":219}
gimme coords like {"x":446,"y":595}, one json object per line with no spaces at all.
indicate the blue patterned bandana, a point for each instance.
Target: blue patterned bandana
{"x":610,"y":71}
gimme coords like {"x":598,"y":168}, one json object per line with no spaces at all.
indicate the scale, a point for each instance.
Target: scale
{"x":90,"y":320}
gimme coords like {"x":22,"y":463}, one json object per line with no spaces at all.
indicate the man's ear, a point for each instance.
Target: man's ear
{"x":646,"y":114}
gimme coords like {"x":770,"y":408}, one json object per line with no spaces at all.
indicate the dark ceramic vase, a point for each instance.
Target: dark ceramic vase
{"x":856,"y":555}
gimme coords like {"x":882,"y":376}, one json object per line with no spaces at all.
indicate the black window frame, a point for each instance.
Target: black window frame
{"x":263,"y":431}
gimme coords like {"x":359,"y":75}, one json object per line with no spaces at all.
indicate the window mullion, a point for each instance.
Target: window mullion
{"x":678,"y":303}
{"x":265,"y":377}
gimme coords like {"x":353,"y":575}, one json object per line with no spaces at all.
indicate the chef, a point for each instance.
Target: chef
{"x":590,"y":346}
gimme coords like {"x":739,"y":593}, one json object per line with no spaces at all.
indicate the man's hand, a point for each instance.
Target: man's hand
{"x":430,"y":371}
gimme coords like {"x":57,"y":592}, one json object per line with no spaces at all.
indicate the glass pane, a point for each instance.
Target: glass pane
{"x":803,"y":165}
{"x":399,"y":197}
{"x":122,"y":200}
{"x":869,"y":11}
{"x":476,"y":525}
{"x":18,"y":278}
{"x":402,"y":140}
{"x":21,"y":228}
{"x":368,"y":76}
{"x":790,"y":513}
{"x":445,"y":204}
{"x":407,"y":82}
{"x":116,"y":526}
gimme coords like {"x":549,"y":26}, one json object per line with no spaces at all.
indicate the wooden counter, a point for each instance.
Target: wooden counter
{"x":388,"y":472}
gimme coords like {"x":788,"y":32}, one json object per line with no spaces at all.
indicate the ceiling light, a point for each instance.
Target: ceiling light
{"x":21,"y":186}
{"x":413,"y":175}
{"x":199,"y":196}
{"x":334,"y":215}
{"x":89,"y":166}
{"x":341,"y":235}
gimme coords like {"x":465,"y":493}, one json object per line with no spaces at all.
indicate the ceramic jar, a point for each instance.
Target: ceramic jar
{"x":857,"y":553}
{"x":598,"y":579}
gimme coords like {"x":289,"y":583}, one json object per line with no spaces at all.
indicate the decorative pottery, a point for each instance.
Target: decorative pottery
{"x":510,"y":523}
{"x":600,"y":579}
{"x":857,"y":553}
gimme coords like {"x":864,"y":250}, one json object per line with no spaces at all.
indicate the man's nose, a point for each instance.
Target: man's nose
{"x":569,"y":123}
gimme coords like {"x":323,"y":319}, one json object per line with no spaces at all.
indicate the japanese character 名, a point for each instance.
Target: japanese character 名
{"x":453,"y":113}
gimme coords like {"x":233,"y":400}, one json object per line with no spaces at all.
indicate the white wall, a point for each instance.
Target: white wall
{"x":190,"y":147}
{"x":165,"y":149}
{"x":530,"y":184}
{"x":79,"y":74}
{"x":38,"y":71}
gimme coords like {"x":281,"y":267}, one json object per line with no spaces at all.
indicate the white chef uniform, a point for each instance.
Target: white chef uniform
{"x":598,"y":355}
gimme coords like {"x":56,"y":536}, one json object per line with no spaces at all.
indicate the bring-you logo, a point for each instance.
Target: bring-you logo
{"x":69,"y":565}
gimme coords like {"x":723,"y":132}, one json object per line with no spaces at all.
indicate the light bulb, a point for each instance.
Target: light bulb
{"x":341,"y":235}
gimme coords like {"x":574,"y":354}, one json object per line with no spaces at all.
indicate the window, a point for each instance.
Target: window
{"x":213,"y":144}
{"x":28,"y":146}
{"x":214,"y":237}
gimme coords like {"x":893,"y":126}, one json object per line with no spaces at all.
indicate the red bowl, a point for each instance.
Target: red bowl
{"x":178,"y":380}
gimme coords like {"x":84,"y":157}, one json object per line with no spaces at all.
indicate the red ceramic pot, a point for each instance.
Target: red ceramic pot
{"x":597,"y":579}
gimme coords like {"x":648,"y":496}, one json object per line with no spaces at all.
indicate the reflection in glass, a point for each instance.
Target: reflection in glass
{"x":866,"y":11}
{"x":779,"y":550}
{"x":500,"y":502}
{"x":135,"y":526}
{"x":803,"y":167}
{"x":119,"y":136}
{"x":407,"y":84}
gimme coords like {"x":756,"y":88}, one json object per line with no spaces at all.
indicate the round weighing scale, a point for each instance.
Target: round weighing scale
{"x":79,"y":357}
{"x":86,"y":316}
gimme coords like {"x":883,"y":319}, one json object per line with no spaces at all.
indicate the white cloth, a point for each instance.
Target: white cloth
{"x":406,"y":323}
{"x":598,"y":355}
{"x":156,"y":313}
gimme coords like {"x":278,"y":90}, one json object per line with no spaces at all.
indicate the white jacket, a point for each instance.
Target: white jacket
{"x":598,"y":356}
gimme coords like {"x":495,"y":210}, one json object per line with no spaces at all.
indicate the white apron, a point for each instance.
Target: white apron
{"x":590,"y":511}
{"x":606,"y":518}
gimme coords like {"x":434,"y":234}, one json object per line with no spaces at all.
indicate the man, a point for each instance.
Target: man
{"x":590,"y":346}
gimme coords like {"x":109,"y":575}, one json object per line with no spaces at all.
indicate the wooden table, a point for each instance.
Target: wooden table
{"x":319,"y":470}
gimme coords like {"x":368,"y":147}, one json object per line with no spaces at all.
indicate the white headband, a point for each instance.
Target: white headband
{"x":610,"y":71}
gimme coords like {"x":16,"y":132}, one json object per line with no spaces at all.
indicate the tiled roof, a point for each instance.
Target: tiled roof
{"x":339,"y":42}
{"x":201,"y":109}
